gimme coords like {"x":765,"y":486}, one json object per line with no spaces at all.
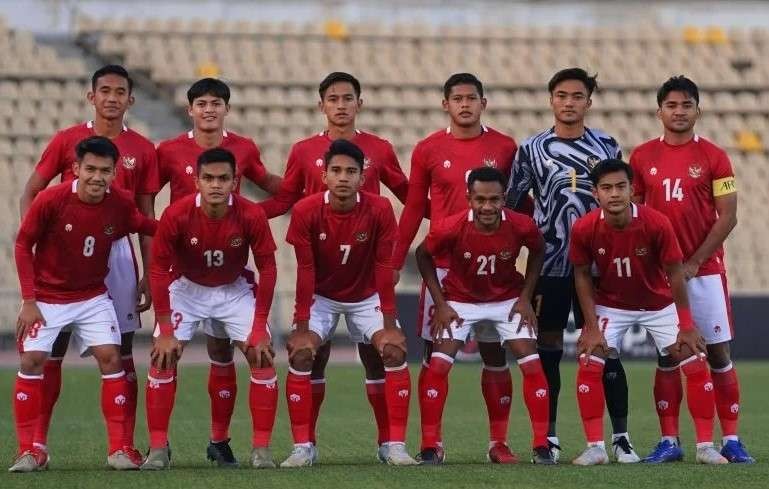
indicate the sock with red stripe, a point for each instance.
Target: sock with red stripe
{"x":50,"y":390}
{"x":668,"y":394}
{"x":397,"y":395}
{"x":535,"y":395}
{"x":727,"y":393}
{"x":132,"y":393}
{"x":318,"y":395}
{"x":700,"y":397}
{"x":27,"y":399}
{"x":299,"y":397}
{"x":375,"y":392}
{"x":432,"y":398}
{"x":160,"y":396}
{"x":497,"y":389}
{"x":114,"y":404}
{"x":222,"y":390}
{"x":590,"y":398}
{"x":263,"y":402}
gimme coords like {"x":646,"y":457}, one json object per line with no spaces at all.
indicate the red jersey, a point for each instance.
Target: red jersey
{"x":629,"y":261}
{"x":482,"y":265}
{"x":136,"y":168}
{"x":440,"y":165}
{"x":210,"y":252}
{"x":72,"y":241}
{"x":305,"y":167}
{"x":178,"y":162}
{"x":349,"y":253}
{"x":682,"y":182}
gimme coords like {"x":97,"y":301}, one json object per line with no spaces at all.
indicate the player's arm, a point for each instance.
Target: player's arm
{"x":30,"y":231}
{"x":726,"y":207}
{"x":300,"y":236}
{"x":414,"y":210}
{"x":255,"y":171}
{"x":591,"y":339}
{"x":289,"y":189}
{"x":444,"y":315}
{"x":146,"y":205}
{"x":521,"y":180}
{"x":45,"y":170}
{"x":639,"y":186}
{"x":689,"y":341}
{"x":535,"y":243}
{"x":167,"y":348}
{"x":35,"y":184}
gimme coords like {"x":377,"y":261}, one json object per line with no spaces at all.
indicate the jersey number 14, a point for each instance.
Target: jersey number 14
{"x":673,"y":191}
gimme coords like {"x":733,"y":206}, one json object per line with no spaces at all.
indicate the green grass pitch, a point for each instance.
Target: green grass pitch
{"x":347,"y":440}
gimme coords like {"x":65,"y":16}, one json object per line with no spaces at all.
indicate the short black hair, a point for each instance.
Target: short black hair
{"x":590,"y":82}
{"x":99,"y":146}
{"x":607,"y":166}
{"x":486,"y":174}
{"x":209,"y":86}
{"x":338,"y":77}
{"x":346,"y":148}
{"x":462,"y":79}
{"x":112,"y":70}
{"x":216,"y":155}
{"x":678,"y":84}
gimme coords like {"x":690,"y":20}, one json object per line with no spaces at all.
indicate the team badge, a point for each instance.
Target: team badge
{"x":446,"y":164}
{"x":593,"y":160}
{"x":129,"y":162}
{"x":490,"y":162}
{"x":641,"y":251}
{"x":505,"y":255}
{"x":467,"y":255}
{"x":653,"y":171}
{"x":695,"y":171}
{"x":68,"y":227}
{"x":322,"y":236}
{"x":361,"y":236}
{"x":319,"y":162}
{"x":108,"y":229}
{"x":194,"y":241}
{"x":188,"y":170}
{"x":366,"y":164}
{"x":601,"y":251}
{"x":716,"y":329}
{"x":236,"y":242}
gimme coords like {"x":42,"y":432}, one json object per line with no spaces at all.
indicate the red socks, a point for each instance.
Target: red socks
{"x":432,"y":398}
{"x":727,"y":393}
{"x":114,"y":405}
{"x":132,"y":393}
{"x":699,"y":397}
{"x":161,"y":393}
{"x":263,"y":402}
{"x":318,"y":394}
{"x":50,"y":390}
{"x":375,"y":392}
{"x":668,"y":393}
{"x":536,"y":397}
{"x":590,"y":398}
{"x":397,"y":394}
{"x":299,"y":397}
{"x":27,"y":394}
{"x":497,"y":389}
{"x":222,"y":389}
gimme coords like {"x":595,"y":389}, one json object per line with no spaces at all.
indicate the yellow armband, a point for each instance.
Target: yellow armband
{"x":724,"y":186}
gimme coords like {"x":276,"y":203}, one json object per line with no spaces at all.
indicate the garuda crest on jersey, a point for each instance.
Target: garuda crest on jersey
{"x":695,"y":170}
{"x":361,"y":236}
{"x":505,"y":255}
{"x":129,"y":162}
{"x":236,"y":242}
{"x":592,"y":160}
{"x":641,"y":251}
{"x":366,"y":164}
{"x":491,"y":162}
{"x":109,"y":229}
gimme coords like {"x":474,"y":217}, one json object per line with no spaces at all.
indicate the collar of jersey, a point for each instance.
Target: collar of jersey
{"x":632,"y":205}
{"x":74,"y":186}
{"x":89,"y":125}
{"x":328,"y":192}
{"x":191,"y":134}
{"x":198,"y":200}
{"x":696,"y":138}
{"x":483,"y":129}
{"x":324,"y":132}
{"x":471,"y":216}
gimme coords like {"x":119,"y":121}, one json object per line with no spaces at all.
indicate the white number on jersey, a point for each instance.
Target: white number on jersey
{"x":88,"y":245}
{"x":486,"y":262}
{"x":674,"y":191}
{"x":619,"y":262}
{"x":345,"y":249}
{"x":214,"y":258}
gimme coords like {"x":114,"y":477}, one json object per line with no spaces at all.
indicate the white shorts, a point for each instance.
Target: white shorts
{"x":363,"y":318}
{"x":226,"y":311}
{"x":92,"y":322}
{"x":711,"y":308}
{"x":483,"y":332}
{"x":662,"y":325}
{"x":121,"y":284}
{"x":488,"y":321}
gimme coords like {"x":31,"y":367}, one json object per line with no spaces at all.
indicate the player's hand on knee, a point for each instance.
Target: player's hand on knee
{"x":525,"y":310}
{"x":165,"y":352}
{"x":389,"y":336}
{"x":30,"y":318}
{"x":300,"y":340}
{"x":443,"y":319}
{"x":590,"y":341}
{"x":258,"y":347}
{"x":690,"y":342}
{"x":143,"y":292}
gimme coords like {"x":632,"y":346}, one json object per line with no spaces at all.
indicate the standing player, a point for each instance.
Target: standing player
{"x":483,"y":286}
{"x":340,"y":102}
{"x":209,"y":101}
{"x":62,"y":253}
{"x":691,"y":180}
{"x":640,"y":282}
{"x":198,"y":260}
{"x":343,"y":239}
{"x":556,"y":164}
{"x":439,"y":166}
{"x":136,"y":172}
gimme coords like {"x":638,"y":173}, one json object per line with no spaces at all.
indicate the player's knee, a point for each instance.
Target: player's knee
{"x":108,"y":358}
{"x":666,"y":361}
{"x":393,"y":356}
{"x":32,"y":362}
{"x":519,"y":349}
{"x":301,"y":360}
{"x":219,"y":349}
{"x":719,"y":355}
{"x":320,"y":361}
{"x":492,"y":354}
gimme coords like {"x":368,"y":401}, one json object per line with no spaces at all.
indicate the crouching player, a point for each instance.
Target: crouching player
{"x":72,"y":227}
{"x":484,"y":291}
{"x":640,"y":281}
{"x":343,"y":239}
{"x":198,"y":258}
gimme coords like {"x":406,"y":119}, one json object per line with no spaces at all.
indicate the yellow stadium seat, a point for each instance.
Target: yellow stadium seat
{"x":208,"y":69}
{"x":693,"y":35}
{"x":716,"y":35}
{"x":749,"y":142}
{"x":336,"y":29}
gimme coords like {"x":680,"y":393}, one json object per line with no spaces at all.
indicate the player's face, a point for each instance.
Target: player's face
{"x":486,"y":200}
{"x":570,"y":101}
{"x":208,"y":112}
{"x":111,"y":98}
{"x":95,"y":175}
{"x":343,"y":176}
{"x":613,"y":192}
{"x":464,"y":105}
{"x":340,"y":104}
{"x":678,"y":112}
{"x":215,"y":182}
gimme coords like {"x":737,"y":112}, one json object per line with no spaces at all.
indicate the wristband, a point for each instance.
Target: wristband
{"x":166,"y":329}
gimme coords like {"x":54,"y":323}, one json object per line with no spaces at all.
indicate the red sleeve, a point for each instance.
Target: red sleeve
{"x":50,"y":162}
{"x":441,"y":237}
{"x":393,"y":177}
{"x":383,"y":271}
{"x":722,"y":167}
{"x":139,"y":223}
{"x":411,"y":218}
{"x":160,"y":268}
{"x":290,"y":189}
{"x":31,"y":229}
{"x":299,"y":236}
{"x":149,"y":179}
{"x":268,"y":275}
{"x":532,"y":237}
{"x":579,"y":250}
{"x":669,"y":249}
{"x":253,"y":168}
{"x":639,"y":187}
{"x":163,"y":165}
